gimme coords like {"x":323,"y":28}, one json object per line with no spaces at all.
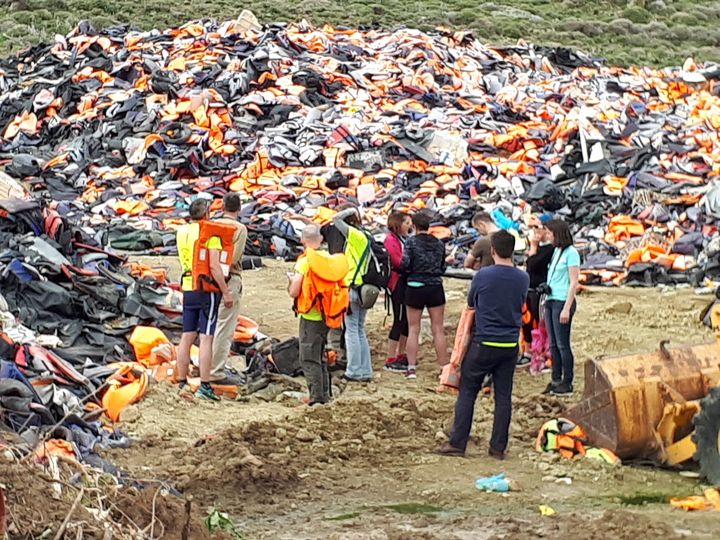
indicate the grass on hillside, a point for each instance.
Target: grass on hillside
{"x":655,"y":32}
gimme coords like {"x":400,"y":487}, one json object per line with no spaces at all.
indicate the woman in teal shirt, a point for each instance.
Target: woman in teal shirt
{"x":563,"y":276}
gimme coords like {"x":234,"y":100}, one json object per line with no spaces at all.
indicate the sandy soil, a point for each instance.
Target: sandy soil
{"x":364,"y":468}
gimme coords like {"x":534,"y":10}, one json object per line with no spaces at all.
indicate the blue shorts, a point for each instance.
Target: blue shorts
{"x":200,"y":312}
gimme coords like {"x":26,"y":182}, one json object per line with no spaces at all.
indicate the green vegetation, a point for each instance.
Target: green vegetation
{"x":655,"y":32}
{"x":344,"y":517}
{"x":414,"y":508}
{"x":220,"y":521}
{"x":642,"y":499}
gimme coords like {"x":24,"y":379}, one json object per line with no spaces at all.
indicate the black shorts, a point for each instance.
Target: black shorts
{"x":427,"y":296}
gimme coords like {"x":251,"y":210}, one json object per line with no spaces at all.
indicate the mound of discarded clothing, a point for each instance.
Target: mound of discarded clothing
{"x":67,"y":307}
{"x":119,"y":129}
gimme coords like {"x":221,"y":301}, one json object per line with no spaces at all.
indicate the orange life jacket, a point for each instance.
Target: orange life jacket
{"x":324,"y":287}
{"x":562,"y":436}
{"x":202,"y":276}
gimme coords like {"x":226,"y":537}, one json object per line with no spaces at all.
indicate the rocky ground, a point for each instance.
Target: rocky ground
{"x":364,"y":467}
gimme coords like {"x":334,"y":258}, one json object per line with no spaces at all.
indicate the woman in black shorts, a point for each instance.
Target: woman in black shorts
{"x":424,"y":265}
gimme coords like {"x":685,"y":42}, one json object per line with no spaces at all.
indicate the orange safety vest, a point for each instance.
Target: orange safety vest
{"x":562,"y":436}
{"x":202,"y":276}
{"x":324,"y":287}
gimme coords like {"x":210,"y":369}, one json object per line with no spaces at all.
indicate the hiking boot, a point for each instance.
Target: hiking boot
{"x":550,"y":388}
{"x":396,"y":364}
{"x":450,"y":451}
{"x":206,"y":392}
{"x":410,"y":374}
{"x":497,"y":454}
{"x":562,"y":390}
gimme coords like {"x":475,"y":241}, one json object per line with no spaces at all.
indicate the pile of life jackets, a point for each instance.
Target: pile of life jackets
{"x":570,"y":440}
{"x":122,"y":128}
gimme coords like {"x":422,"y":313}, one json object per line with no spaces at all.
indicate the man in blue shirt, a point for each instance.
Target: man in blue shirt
{"x":497,"y":294}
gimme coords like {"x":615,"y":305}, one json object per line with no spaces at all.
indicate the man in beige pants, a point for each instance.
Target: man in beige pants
{"x":227,"y":317}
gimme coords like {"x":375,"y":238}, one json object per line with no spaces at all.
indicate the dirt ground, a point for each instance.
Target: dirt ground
{"x":363,"y":467}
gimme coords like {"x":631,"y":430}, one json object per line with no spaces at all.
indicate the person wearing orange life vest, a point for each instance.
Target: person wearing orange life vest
{"x":200,"y":308}
{"x":228,"y":316}
{"x":313,"y":321}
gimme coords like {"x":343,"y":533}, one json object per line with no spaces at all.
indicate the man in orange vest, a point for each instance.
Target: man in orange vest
{"x":200,"y":308}
{"x":313,"y":330}
{"x":228,"y":316}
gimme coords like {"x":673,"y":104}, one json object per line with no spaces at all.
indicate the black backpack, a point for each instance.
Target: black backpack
{"x":285,"y":356}
{"x":379,"y":267}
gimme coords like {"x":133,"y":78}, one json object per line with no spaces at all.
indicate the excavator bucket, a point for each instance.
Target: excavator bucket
{"x":625,"y":397}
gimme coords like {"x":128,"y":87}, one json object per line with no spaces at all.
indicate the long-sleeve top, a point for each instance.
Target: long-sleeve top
{"x":357,"y":243}
{"x":424,"y":259}
{"x":538,"y":264}
{"x":394,"y":246}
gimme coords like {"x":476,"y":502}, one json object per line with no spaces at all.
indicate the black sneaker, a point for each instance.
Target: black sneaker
{"x":550,"y":388}
{"x":562,"y":390}
{"x":523,"y":361}
{"x":397,"y":365}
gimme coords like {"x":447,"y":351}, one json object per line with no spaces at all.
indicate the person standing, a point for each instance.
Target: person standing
{"x":313,"y":328}
{"x":537,"y":264}
{"x":562,"y":282}
{"x":228,"y":316}
{"x":424,"y":264}
{"x":399,"y":226}
{"x":357,"y":346}
{"x":200,"y":308}
{"x":497,"y":295}
{"x":480,"y":254}
{"x":336,"y":243}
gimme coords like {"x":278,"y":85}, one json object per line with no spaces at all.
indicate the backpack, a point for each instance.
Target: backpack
{"x":285,"y":356}
{"x":377,"y":273}
{"x":378,"y":268}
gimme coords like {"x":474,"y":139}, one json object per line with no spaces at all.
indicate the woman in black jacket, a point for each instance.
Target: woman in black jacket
{"x":538,"y":261}
{"x":424,"y":264}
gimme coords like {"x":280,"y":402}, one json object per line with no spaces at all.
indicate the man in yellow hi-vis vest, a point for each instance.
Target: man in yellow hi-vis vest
{"x":200,"y":308}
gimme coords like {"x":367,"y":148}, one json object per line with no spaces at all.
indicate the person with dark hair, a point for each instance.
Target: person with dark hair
{"x":480,"y":254}
{"x":357,"y":346}
{"x":227,"y":316}
{"x":399,"y":226}
{"x":497,"y":295}
{"x":537,"y":263}
{"x":200,"y":309}
{"x":560,"y":305}
{"x":424,"y":264}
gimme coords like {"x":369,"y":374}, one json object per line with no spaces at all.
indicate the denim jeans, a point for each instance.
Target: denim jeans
{"x":480,"y":361}
{"x":563,"y":361}
{"x":357,"y":347}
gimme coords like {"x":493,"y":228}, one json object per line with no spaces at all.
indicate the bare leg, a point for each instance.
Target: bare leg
{"x":413,"y":340}
{"x":206,"y":353}
{"x":402,"y":345}
{"x":183,"y":359}
{"x":392,"y":348}
{"x":437,"y":321}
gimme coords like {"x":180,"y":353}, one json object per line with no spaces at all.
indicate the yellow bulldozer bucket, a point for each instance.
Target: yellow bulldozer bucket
{"x":625,"y":397}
